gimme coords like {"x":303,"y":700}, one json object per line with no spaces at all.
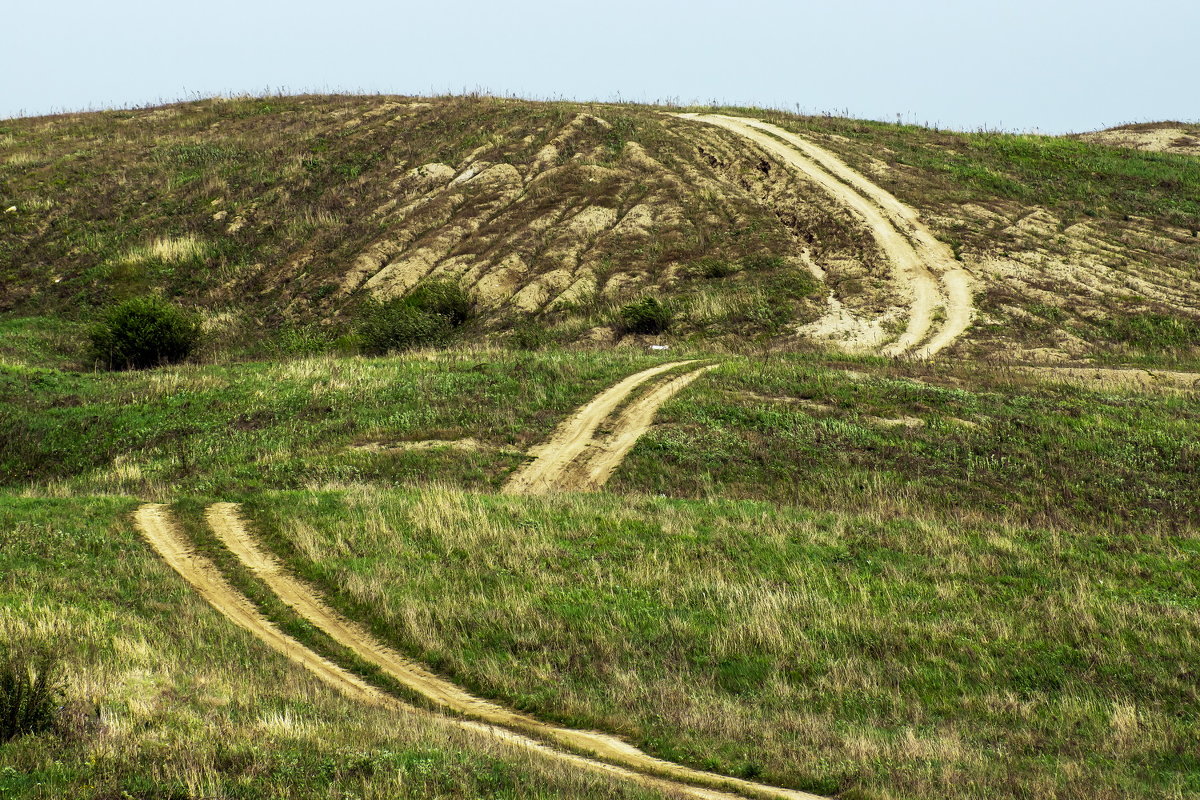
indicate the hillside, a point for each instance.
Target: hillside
{"x":907,"y":508}
{"x":273,"y":215}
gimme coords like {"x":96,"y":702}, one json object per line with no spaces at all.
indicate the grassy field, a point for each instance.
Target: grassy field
{"x":169,"y":700}
{"x":955,"y":441}
{"x":226,"y":429}
{"x":951,"y":441}
{"x":846,"y":654}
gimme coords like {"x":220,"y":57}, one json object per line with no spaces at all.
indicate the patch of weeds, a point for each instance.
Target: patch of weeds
{"x":1153,"y":331}
{"x":31,"y":690}
{"x":761,"y":262}
{"x":1047,"y":312}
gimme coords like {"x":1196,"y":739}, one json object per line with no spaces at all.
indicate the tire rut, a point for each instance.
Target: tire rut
{"x":598,"y":463}
{"x":915,"y":253}
{"x":227,"y":524}
{"x":570,"y":439}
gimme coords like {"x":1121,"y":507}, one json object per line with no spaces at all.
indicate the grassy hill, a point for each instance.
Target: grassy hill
{"x":868,"y":577}
{"x":276,"y":217}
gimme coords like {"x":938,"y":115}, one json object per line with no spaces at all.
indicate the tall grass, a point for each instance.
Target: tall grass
{"x":843,"y":653}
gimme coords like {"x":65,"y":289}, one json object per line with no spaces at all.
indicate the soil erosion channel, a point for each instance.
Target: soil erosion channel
{"x":924,"y":267}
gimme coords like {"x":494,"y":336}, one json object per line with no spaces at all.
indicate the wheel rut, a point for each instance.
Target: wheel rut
{"x":924,"y":267}
{"x":226,"y":522}
{"x":572,"y":458}
{"x":556,"y":464}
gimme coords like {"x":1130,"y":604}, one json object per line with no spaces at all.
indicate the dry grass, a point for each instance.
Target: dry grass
{"x":837,"y":653}
{"x":174,"y":701}
{"x":168,"y":250}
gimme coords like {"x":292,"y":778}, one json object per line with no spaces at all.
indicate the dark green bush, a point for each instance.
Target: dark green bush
{"x":31,"y":690}
{"x":143,"y":332}
{"x":444,"y":298}
{"x":647,"y":315}
{"x":397,"y":325}
{"x":714,"y":268}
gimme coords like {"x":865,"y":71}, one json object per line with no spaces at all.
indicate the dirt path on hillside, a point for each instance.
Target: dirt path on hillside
{"x":924,"y":267}
{"x":164,"y":536}
{"x":233,"y":533}
{"x":571,"y":438}
{"x":599,"y":462}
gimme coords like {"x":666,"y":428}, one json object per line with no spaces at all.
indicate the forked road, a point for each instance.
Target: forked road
{"x":923,"y":266}
{"x":572,"y":458}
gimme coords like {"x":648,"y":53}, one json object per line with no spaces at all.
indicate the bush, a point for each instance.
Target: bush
{"x":397,"y":325}
{"x":647,"y":315}
{"x":444,"y":298}
{"x":143,"y":332}
{"x":31,"y":691}
{"x":714,"y":268}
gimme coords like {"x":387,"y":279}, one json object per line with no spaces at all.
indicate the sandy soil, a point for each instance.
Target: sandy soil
{"x":1125,"y":379}
{"x":553,"y":459}
{"x":600,"y":462}
{"x":228,"y":526}
{"x":924,"y":267}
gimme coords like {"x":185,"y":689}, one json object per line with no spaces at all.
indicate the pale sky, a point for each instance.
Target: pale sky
{"x":1052,"y":65}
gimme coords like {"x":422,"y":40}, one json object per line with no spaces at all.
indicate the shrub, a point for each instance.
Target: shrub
{"x":397,"y":325}
{"x":143,"y":332}
{"x":31,"y":691}
{"x":714,"y":268}
{"x":444,"y":298}
{"x":647,"y":315}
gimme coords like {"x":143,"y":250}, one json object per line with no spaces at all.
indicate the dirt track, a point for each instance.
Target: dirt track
{"x":225,"y":522}
{"x":551,"y":469}
{"x":925,"y":268}
{"x":162,"y":533}
{"x":600,"y":462}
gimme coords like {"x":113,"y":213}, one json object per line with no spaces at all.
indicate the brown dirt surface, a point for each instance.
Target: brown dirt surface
{"x":918,"y":258}
{"x":552,"y":461}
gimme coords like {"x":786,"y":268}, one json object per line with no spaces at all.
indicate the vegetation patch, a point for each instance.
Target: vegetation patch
{"x":143,"y":332}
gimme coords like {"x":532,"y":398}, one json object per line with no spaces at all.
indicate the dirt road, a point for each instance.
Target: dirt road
{"x":225,"y":521}
{"x":163,"y":534}
{"x":554,"y":467}
{"x":601,"y":461}
{"x":925,"y":269}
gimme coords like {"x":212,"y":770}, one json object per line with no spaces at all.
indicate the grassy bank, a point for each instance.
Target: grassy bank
{"x":955,"y":441}
{"x":844,"y":654}
{"x":168,"y":700}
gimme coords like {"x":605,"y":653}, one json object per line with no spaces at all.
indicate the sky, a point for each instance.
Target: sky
{"x":1049,"y":65}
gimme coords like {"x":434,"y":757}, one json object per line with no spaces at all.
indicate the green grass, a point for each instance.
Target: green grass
{"x":792,"y":429}
{"x":846,"y":654}
{"x":172,"y":701}
{"x":982,"y":441}
{"x":228,"y":429}
{"x":1067,"y":175}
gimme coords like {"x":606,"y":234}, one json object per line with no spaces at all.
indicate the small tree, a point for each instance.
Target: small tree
{"x":143,"y":332}
{"x":647,"y":315}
